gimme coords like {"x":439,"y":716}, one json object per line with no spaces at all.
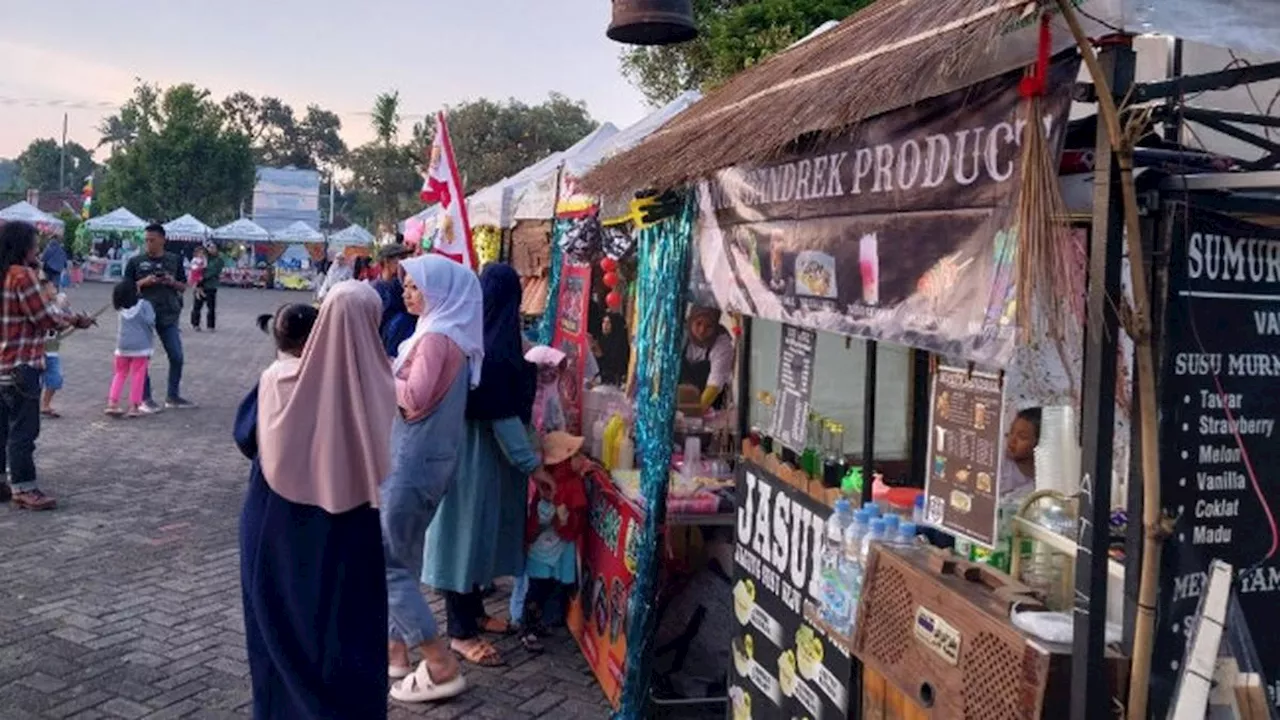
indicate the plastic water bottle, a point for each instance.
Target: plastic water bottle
{"x":891,"y":523}
{"x":907,"y":535}
{"x":833,"y":600}
{"x":875,"y":533}
{"x":851,"y":566}
{"x":872,"y":509}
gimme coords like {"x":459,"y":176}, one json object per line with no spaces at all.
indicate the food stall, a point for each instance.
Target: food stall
{"x":248,"y":267}
{"x":23,"y":211}
{"x":115,"y":237}
{"x":352,"y":241}
{"x":183,"y":235}
{"x":292,"y":254}
{"x":873,"y":262}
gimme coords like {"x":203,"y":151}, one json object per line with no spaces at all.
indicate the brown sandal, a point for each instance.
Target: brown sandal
{"x":477,"y":651}
{"x":494,"y":626}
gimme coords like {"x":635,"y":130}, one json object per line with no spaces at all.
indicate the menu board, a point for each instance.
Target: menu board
{"x":966,"y":432}
{"x":795,"y":383}
{"x":786,"y":663}
{"x":1219,"y":448}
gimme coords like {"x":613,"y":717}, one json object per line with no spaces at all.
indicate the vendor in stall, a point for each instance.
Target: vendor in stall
{"x":1019,"y":466}
{"x":706,"y":365}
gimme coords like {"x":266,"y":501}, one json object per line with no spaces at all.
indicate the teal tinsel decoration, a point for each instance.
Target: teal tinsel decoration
{"x":547,"y":327}
{"x":660,"y":291}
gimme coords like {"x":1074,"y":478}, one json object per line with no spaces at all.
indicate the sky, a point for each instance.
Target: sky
{"x":83,"y":58}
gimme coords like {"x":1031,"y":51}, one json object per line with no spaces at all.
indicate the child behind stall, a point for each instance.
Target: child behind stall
{"x":548,"y":407}
{"x":557,"y":516}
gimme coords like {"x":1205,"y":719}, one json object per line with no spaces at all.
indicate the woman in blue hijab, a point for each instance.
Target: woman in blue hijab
{"x":478,"y":532}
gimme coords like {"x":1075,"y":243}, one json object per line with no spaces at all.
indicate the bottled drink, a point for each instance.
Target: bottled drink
{"x":891,"y":522}
{"x":907,"y":534}
{"x":875,"y":533}
{"x":872,"y":509}
{"x":851,"y":567}
{"x":834,"y":602}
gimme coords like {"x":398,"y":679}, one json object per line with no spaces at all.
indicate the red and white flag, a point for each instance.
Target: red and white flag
{"x":442,"y":184}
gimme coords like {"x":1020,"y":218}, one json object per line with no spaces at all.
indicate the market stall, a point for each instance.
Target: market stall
{"x":183,"y":235}
{"x":249,"y":267}
{"x":871,"y":259}
{"x":292,"y":254}
{"x":352,"y":241}
{"x":24,"y":211}
{"x":115,"y":237}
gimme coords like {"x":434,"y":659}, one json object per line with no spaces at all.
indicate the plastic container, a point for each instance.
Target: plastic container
{"x":917,"y":510}
{"x":834,"y":597}
{"x":907,"y":534}
{"x":851,"y":566}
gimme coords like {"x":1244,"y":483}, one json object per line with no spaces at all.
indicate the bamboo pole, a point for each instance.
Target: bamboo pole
{"x":1139,"y":327}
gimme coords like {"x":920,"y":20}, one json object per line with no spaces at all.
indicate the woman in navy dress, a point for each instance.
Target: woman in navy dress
{"x":317,"y":429}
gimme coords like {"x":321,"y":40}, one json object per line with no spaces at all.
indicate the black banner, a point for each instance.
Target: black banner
{"x":785,"y":662}
{"x":901,"y":230}
{"x":1219,"y":448}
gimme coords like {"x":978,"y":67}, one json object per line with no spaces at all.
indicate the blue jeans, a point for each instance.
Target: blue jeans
{"x":171,"y":339}
{"x":409,"y":499}
{"x":20,"y":426}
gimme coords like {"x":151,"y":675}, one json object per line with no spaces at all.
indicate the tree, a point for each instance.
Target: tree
{"x":40,"y":165}
{"x":384,"y":174}
{"x":386,"y":117}
{"x":733,"y":36}
{"x":279,"y":139}
{"x":493,"y":140}
{"x":186,"y":157}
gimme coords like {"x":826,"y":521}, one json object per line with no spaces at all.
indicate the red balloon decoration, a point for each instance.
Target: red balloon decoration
{"x":611,"y":279}
{"x":609,"y":265}
{"x":613,"y":300}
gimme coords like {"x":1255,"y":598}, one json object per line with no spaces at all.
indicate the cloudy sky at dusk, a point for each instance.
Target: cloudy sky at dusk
{"x":83,"y":57}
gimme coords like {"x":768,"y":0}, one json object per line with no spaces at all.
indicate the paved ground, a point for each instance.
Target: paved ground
{"x":125,"y":602}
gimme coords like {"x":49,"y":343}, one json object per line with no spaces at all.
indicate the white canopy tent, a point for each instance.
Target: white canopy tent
{"x":187,"y":228}
{"x":351,"y":236}
{"x":118,"y":220}
{"x":496,"y":204}
{"x":298,"y":232}
{"x":535,"y":198}
{"x":242,"y":230}
{"x":26,"y":212}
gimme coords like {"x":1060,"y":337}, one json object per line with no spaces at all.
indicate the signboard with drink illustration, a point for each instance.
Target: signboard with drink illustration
{"x":787,"y":661}
{"x":901,"y":229}
{"x":598,"y":613}
{"x":1218,"y":432}
{"x":966,"y":445}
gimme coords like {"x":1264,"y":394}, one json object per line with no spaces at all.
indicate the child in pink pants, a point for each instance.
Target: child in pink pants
{"x":134,"y":345}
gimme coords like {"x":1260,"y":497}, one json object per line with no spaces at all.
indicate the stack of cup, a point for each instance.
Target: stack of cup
{"x":1058,"y":452}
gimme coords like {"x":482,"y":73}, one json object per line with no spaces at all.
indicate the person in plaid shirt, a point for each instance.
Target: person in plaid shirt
{"x":26,"y":318}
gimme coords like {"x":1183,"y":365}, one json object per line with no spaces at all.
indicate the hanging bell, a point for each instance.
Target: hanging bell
{"x":652,"y":22}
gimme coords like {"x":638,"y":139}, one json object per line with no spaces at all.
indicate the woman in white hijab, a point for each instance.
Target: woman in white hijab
{"x":434,"y":370}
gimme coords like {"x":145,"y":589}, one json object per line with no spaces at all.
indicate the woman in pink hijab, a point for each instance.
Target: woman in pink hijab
{"x":318,"y":430}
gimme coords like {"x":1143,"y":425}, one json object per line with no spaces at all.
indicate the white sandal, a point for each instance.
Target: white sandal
{"x":399,"y":672}
{"x":418,"y":687}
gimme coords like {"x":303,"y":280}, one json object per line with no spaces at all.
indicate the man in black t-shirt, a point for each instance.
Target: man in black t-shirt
{"x":161,"y":281}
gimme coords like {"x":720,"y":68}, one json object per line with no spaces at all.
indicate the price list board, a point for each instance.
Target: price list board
{"x":965,"y":449}
{"x":795,"y":383}
{"x":1219,"y":447}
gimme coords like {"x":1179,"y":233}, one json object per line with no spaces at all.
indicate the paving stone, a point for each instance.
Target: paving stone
{"x":125,"y":601}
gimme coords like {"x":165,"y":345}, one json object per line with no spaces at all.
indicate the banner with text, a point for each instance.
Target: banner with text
{"x":1218,"y":440}
{"x":787,"y":661}
{"x":570,"y":337}
{"x":901,"y":229}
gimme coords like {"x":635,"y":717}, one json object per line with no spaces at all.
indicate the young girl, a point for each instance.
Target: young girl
{"x":290,"y":327}
{"x":557,"y":516}
{"x":137,"y":324}
{"x":51,"y":379}
{"x":195,"y":275}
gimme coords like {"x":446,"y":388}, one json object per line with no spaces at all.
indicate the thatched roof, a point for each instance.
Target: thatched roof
{"x":891,"y":54}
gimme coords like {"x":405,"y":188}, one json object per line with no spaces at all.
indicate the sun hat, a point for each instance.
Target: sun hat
{"x":559,"y":446}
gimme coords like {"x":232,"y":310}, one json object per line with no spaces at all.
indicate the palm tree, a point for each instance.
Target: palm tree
{"x":386,"y":117}
{"x":116,"y":133}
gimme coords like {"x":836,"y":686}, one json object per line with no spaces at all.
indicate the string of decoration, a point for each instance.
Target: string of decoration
{"x":547,"y":328}
{"x":661,"y":286}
